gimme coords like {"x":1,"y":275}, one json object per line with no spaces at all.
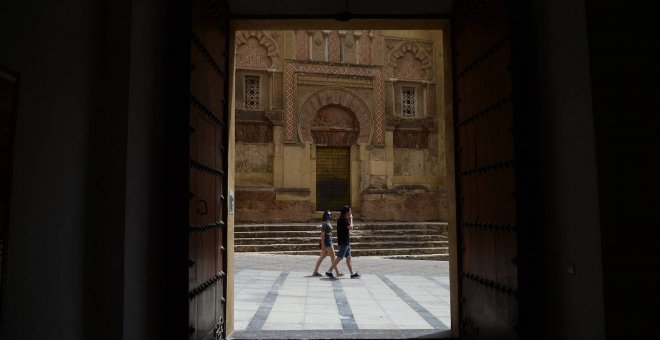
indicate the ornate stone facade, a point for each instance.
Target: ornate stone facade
{"x":371,"y":92}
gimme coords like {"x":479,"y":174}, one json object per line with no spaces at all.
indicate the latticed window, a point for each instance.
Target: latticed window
{"x":408,"y":102}
{"x":252,"y":92}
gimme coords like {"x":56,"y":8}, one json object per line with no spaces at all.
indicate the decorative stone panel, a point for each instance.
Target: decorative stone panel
{"x":302,"y":45}
{"x":290,"y":94}
{"x":277,"y":90}
{"x":254,"y":49}
{"x":409,"y":61}
{"x":335,"y":125}
{"x":364,"y":40}
{"x":411,"y":139}
{"x":253,"y":133}
{"x":334,"y":97}
{"x":349,"y":56}
{"x":318,"y":46}
{"x":334,"y":47}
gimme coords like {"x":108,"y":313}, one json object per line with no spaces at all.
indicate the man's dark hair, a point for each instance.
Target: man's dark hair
{"x":345,"y":209}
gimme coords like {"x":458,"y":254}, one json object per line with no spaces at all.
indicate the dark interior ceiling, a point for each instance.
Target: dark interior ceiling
{"x":330,"y":8}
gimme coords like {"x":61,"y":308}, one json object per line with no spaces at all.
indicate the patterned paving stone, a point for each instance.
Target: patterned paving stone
{"x":277,"y":298}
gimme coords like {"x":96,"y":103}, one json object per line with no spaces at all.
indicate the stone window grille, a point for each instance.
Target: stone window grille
{"x":252,"y":93}
{"x":408,"y":102}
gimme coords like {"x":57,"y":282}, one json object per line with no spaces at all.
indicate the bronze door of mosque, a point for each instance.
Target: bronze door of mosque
{"x":487,"y":206}
{"x":333,"y":185}
{"x":208,"y":168}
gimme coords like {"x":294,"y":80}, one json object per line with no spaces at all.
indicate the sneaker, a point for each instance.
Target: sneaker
{"x":328,"y":274}
{"x":355,"y":276}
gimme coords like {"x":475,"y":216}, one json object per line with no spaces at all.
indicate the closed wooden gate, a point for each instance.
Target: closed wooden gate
{"x":488,"y":231}
{"x":333,"y":185}
{"x":208,"y":168}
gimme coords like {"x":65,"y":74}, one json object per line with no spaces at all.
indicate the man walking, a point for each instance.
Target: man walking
{"x":344,"y":225}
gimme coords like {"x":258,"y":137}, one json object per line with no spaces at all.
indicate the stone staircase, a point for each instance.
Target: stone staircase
{"x":400,"y":240}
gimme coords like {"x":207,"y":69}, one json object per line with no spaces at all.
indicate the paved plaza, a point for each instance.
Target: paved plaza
{"x":276,"y":297}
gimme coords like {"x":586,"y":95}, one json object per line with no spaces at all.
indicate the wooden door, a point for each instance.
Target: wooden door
{"x":333,"y":173}
{"x":208,"y":168}
{"x":488,"y":232}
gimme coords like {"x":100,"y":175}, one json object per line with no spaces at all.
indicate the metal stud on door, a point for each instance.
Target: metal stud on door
{"x":488,"y":230}
{"x":208,"y":169}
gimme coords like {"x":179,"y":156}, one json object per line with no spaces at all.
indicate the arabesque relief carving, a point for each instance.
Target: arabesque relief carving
{"x":256,"y":50}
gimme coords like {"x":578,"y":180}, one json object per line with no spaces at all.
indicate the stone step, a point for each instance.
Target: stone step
{"x":430,"y":257}
{"x":315,"y":232}
{"x":386,"y":252}
{"x":354,"y":245}
{"x":312,"y":239}
{"x":361,"y":226}
{"x":423,"y":240}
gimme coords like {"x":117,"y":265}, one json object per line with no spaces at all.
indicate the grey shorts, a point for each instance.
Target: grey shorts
{"x":344,"y":251}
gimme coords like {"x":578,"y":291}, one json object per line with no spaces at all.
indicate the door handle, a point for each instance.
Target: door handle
{"x":205,"y":210}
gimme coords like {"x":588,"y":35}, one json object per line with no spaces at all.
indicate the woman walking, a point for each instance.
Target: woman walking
{"x":344,"y":226}
{"x":325,"y":244}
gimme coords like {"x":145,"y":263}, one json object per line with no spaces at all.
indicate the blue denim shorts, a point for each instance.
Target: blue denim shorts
{"x":327,"y":240}
{"x":344,"y":251}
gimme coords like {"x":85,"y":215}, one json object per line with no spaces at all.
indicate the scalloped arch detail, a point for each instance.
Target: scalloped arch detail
{"x":269,"y":47}
{"x":334,"y":96}
{"x":417,"y":66}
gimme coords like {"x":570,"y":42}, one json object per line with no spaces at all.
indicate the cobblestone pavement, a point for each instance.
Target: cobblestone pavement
{"x":276,"y":297}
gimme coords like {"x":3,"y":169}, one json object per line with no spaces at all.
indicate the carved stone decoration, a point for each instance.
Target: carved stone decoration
{"x":277,"y":90}
{"x":253,"y":133}
{"x":302,"y":45}
{"x":349,"y":48}
{"x":364,"y":53}
{"x":364,"y":116}
{"x":255,"y":50}
{"x":334,"y":49}
{"x":411,"y":139}
{"x":335,"y":125}
{"x":408,"y":67}
{"x":318,"y":46}
{"x":409,"y":61}
{"x":332,"y":98}
{"x":318,"y":38}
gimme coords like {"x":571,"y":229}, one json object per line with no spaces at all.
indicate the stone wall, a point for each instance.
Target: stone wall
{"x":254,"y":206}
{"x":385,"y":88}
{"x":403,"y":204}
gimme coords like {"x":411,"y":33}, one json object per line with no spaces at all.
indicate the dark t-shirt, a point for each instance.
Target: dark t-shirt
{"x":343,"y":236}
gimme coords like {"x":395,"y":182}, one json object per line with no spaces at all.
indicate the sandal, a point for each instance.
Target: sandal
{"x":340,"y":274}
{"x":316,"y":274}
